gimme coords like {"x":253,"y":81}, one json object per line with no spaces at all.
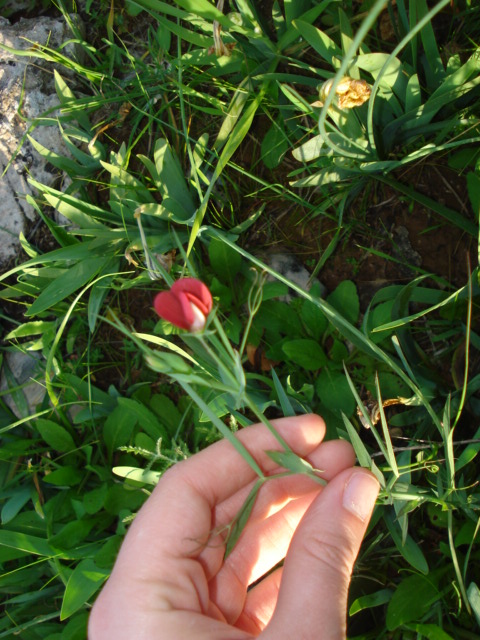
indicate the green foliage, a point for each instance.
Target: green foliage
{"x":177,"y":158}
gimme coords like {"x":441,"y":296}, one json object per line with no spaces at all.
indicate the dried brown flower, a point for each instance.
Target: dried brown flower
{"x":349,"y":92}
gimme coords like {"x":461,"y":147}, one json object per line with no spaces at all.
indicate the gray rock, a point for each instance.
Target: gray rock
{"x":25,"y":375}
{"x":26,"y":93}
{"x":289,"y":266}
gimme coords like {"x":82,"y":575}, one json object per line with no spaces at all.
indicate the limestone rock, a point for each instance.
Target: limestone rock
{"x":26,"y":93}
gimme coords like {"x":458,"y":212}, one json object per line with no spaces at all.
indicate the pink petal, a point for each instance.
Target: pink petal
{"x":175,"y":309}
{"x":196,"y":291}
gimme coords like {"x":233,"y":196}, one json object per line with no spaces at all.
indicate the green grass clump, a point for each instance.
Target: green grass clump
{"x":191,"y":131}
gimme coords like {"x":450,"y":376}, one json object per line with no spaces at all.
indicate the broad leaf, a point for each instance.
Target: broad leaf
{"x":305,"y":353}
{"x":55,"y":435}
{"x":412,"y":599}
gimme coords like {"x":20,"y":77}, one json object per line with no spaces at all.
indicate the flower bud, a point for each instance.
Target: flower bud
{"x":186,"y":305}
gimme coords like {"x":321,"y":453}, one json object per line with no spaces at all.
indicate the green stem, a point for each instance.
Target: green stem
{"x":227,"y":373}
{"x":224,"y":430}
{"x":259,"y":415}
{"x":223,"y":336}
{"x":456,"y":566}
{"x":254,"y":302}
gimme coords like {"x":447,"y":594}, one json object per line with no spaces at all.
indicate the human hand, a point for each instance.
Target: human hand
{"x":171,"y":582}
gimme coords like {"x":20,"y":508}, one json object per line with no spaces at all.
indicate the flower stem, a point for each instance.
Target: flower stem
{"x":224,"y":430}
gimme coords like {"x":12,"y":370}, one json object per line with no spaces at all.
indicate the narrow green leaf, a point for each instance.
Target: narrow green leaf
{"x":118,"y":428}
{"x":67,"y":97}
{"x":295,"y":8}
{"x":206,"y":10}
{"x":171,"y":178}
{"x":386,"y":433}
{"x":274,"y":145}
{"x":238,"y":134}
{"x":320,"y":42}
{"x":63,"y":237}
{"x":85,"y":580}
{"x":73,"y":279}
{"x":28,"y":329}
{"x":473,"y":188}
{"x":310,"y":150}
{"x":413,"y":94}
{"x":99,"y":291}
{"x":313,"y":317}
{"x":361,"y":452}
{"x":473,"y":594}
{"x":469,"y":453}
{"x":65,"y":254}
{"x":410,"y":549}
{"x":60,"y":162}
{"x":139,"y":412}
{"x":72,"y":534}
{"x":294,"y":463}
{"x":432,"y":61}
{"x":285,"y":403}
{"x":235,"y":109}
{"x":24,"y":542}
{"x":15,"y":503}
{"x":167,"y":411}
{"x":138,"y":475}
{"x":296,"y":99}
{"x":64,"y":477}
{"x":94,"y":500}
{"x":69,"y":207}
{"x":241,"y":518}
{"x":371,"y":600}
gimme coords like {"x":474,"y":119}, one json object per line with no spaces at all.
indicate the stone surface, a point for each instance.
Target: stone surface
{"x":289,"y":266}
{"x":26,"y":369}
{"x":26,"y":92}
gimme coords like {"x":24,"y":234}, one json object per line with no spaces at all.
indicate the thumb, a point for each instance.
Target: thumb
{"x":312,"y":601}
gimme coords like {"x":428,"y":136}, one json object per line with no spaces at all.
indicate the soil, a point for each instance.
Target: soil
{"x":385,"y":238}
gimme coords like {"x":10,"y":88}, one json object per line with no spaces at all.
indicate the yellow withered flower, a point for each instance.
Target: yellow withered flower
{"x":349,"y":92}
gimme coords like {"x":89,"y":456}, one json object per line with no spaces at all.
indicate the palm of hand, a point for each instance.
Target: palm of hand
{"x":171,"y":580}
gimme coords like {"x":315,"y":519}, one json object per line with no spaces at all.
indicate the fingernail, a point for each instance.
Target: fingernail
{"x":360,"y":493}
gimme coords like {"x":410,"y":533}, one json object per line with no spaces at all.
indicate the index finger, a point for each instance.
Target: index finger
{"x":219,"y":471}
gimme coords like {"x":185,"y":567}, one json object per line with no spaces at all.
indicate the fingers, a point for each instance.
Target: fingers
{"x":280,"y":506}
{"x":177,"y":515}
{"x":173,"y":527}
{"x":219,"y":471}
{"x":260,"y":604}
{"x":331,"y":458}
{"x":318,"y":567}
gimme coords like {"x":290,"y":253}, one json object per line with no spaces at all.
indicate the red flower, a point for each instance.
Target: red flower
{"x":186,"y":305}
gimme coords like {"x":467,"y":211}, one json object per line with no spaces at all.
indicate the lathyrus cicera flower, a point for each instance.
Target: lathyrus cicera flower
{"x":186,"y":305}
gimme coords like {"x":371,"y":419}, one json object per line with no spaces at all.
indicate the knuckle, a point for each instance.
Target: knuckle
{"x":334,"y":552}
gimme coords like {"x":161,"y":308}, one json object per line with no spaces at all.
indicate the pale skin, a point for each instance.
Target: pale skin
{"x":171,"y":581}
